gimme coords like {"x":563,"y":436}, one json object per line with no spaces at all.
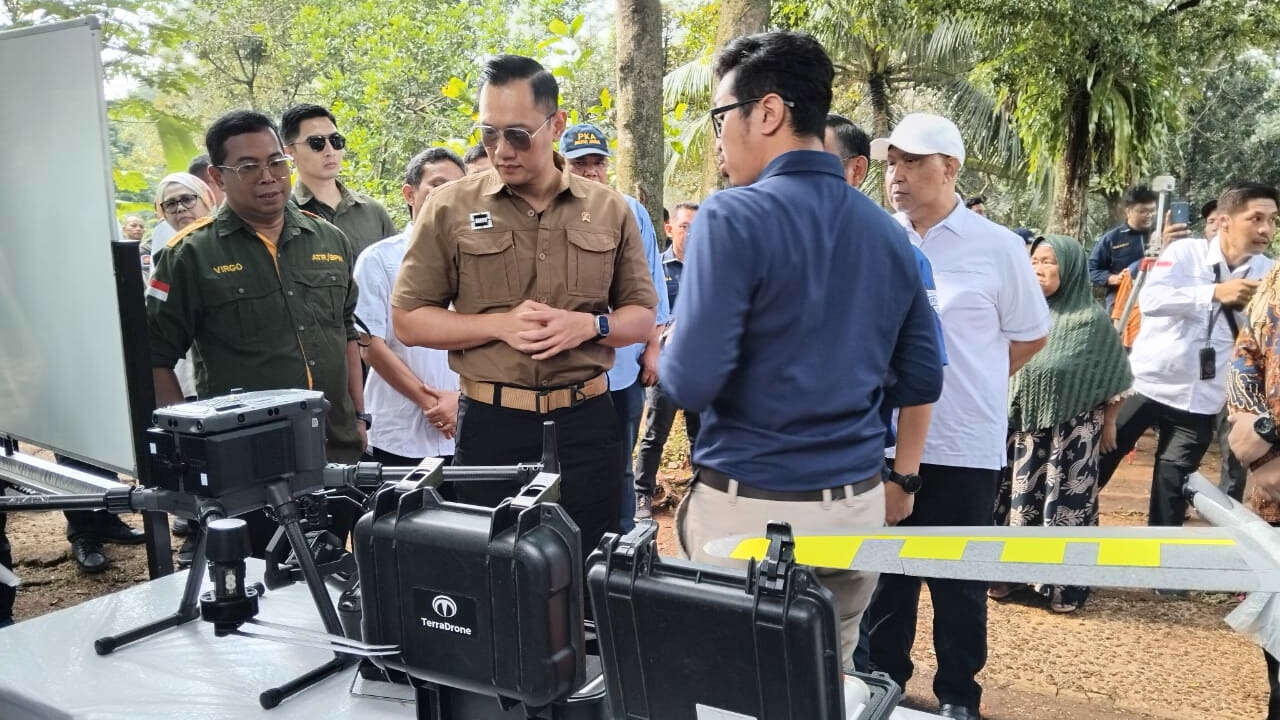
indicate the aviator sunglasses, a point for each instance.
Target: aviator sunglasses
{"x":518,"y":138}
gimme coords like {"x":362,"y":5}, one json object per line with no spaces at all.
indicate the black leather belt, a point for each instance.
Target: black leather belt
{"x":717,"y":480}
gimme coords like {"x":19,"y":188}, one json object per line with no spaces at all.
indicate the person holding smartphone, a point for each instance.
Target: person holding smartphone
{"x":1191,"y":305}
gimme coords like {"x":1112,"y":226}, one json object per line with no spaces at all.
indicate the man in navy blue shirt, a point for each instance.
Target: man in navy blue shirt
{"x":1122,"y":246}
{"x":799,"y":297}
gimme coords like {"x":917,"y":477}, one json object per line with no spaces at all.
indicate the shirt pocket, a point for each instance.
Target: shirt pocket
{"x":487,"y":268}
{"x":242,"y":315}
{"x":591,"y":262}
{"x":324,"y":292}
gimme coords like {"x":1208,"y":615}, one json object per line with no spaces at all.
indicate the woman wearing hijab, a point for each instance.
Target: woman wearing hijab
{"x":1062,"y":410}
{"x":181,"y":199}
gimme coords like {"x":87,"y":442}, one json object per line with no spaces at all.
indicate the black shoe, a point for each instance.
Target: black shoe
{"x":115,"y":530}
{"x":186,"y":553}
{"x":87,"y":552}
{"x":958,"y":712}
{"x":644,"y":507}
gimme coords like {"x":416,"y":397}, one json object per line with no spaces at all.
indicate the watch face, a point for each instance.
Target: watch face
{"x":1264,"y":425}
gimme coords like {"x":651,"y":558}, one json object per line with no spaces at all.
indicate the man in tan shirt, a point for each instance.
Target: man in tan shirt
{"x":546,"y":274}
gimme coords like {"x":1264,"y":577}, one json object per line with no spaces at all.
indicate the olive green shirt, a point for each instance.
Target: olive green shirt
{"x":260,"y":322}
{"x":480,"y":247}
{"x":360,"y":217}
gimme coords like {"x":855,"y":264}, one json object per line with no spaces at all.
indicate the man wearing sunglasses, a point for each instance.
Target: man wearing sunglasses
{"x":547,"y":274}
{"x":311,"y":136}
{"x":262,"y":290}
{"x":798,"y":298}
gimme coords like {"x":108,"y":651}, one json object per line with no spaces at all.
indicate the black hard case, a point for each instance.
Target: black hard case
{"x":514,"y":579}
{"x":675,"y":636}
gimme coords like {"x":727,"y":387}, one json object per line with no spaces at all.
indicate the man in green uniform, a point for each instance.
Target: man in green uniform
{"x":311,"y":136}
{"x":262,"y":289}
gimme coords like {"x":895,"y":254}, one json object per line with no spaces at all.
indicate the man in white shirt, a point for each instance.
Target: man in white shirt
{"x":411,"y":395}
{"x":1191,"y":305}
{"x":994,"y":319}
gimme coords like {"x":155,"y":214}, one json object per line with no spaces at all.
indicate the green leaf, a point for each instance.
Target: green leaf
{"x":576,"y":25}
{"x":606,"y":99}
{"x":454,"y":89}
{"x":176,"y":141}
{"x":558,"y":27}
{"x":129,"y":181}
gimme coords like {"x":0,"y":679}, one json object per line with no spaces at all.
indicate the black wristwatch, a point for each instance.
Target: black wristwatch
{"x":602,"y":328}
{"x":367,"y":418}
{"x":911,"y":483}
{"x":1265,"y":426}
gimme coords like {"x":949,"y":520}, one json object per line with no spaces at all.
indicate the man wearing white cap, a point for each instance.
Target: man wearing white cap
{"x":994,"y":318}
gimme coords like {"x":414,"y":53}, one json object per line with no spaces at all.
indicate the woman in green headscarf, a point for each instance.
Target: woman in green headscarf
{"x":1062,"y":409}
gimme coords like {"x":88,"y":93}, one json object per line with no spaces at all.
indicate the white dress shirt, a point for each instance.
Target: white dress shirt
{"x":1176,"y":302}
{"x":988,"y":296}
{"x":399,"y":425}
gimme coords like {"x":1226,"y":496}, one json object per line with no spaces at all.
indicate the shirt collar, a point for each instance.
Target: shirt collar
{"x":492,"y":183}
{"x":799,"y":161}
{"x":296,"y":220}
{"x":669,"y":256}
{"x":303,"y":195}
{"x":957,"y":214}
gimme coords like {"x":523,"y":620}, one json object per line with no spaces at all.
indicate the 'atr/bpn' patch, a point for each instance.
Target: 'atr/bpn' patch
{"x":481,"y":220}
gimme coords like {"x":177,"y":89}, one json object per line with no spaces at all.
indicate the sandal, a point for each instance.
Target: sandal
{"x":1063,"y":608}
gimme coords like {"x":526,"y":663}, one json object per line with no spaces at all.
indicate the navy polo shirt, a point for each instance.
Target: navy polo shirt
{"x":801,"y":299}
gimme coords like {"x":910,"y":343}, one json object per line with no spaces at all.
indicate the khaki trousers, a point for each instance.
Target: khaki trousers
{"x":707,"y":514}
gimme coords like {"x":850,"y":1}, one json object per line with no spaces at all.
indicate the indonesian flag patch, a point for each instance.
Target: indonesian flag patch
{"x":158,"y":290}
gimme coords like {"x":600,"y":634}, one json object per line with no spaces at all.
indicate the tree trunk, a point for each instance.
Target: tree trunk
{"x":737,"y":18}
{"x":641,"y":145}
{"x":878,"y":94}
{"x":1071,"y":174}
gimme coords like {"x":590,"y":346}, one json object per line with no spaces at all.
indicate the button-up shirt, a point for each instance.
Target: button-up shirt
{"x":1177,"y":311}
{"x":626,"y":360}
{"x":672,"y":266}
{"x":361,"y":218}
{"x":482,"y":248}
{"x":399,"y":425}
{"x":261,"y":316}
{"x":800,"y":297}
{"x":988,"y":296}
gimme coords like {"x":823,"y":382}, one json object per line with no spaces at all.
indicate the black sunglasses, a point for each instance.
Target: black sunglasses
{"x":518,"y":138}
{"x":316,"y":142}
{"x":717,"y":114}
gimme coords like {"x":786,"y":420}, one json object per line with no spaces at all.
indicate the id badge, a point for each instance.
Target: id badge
{"x":1208,"y":363}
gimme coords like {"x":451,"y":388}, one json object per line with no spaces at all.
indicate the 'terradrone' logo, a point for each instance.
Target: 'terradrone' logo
{"x":444,"y":606}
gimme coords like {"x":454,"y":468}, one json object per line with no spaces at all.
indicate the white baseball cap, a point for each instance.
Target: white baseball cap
{"x":922,"y":134}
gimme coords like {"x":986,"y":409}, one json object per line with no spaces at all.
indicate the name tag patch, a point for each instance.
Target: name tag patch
{"x":481,"y":221}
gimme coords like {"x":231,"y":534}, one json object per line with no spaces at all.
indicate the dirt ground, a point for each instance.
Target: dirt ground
{"x":1125,"y":655}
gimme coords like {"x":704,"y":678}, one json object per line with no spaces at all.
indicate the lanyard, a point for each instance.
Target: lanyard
{"x":1218,"y":309}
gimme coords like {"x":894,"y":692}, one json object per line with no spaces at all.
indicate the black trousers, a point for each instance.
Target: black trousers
{"x":1183,"y":438}
{"x":87,"y":523}
{"x":7,"y":594}
{"x":1232,"y":475}
{"x":589,"y":441}
{"x":658,"y":416}
{"x":950,"y":496}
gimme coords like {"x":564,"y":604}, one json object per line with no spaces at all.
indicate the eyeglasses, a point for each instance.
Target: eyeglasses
{"x":717,"y":114}
{"x":316,"y":142}
{"x":279,"y":168}
{"x":184,"y":202}
{"x":518,"y":138}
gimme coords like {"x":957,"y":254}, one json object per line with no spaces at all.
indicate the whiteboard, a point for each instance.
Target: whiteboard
{"x":62,"y":368}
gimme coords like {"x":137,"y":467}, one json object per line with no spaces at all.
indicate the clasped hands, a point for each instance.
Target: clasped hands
{"x":542,"y":332}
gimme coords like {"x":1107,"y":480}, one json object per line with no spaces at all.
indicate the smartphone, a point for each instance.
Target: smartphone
{"x":1180,"y":213}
